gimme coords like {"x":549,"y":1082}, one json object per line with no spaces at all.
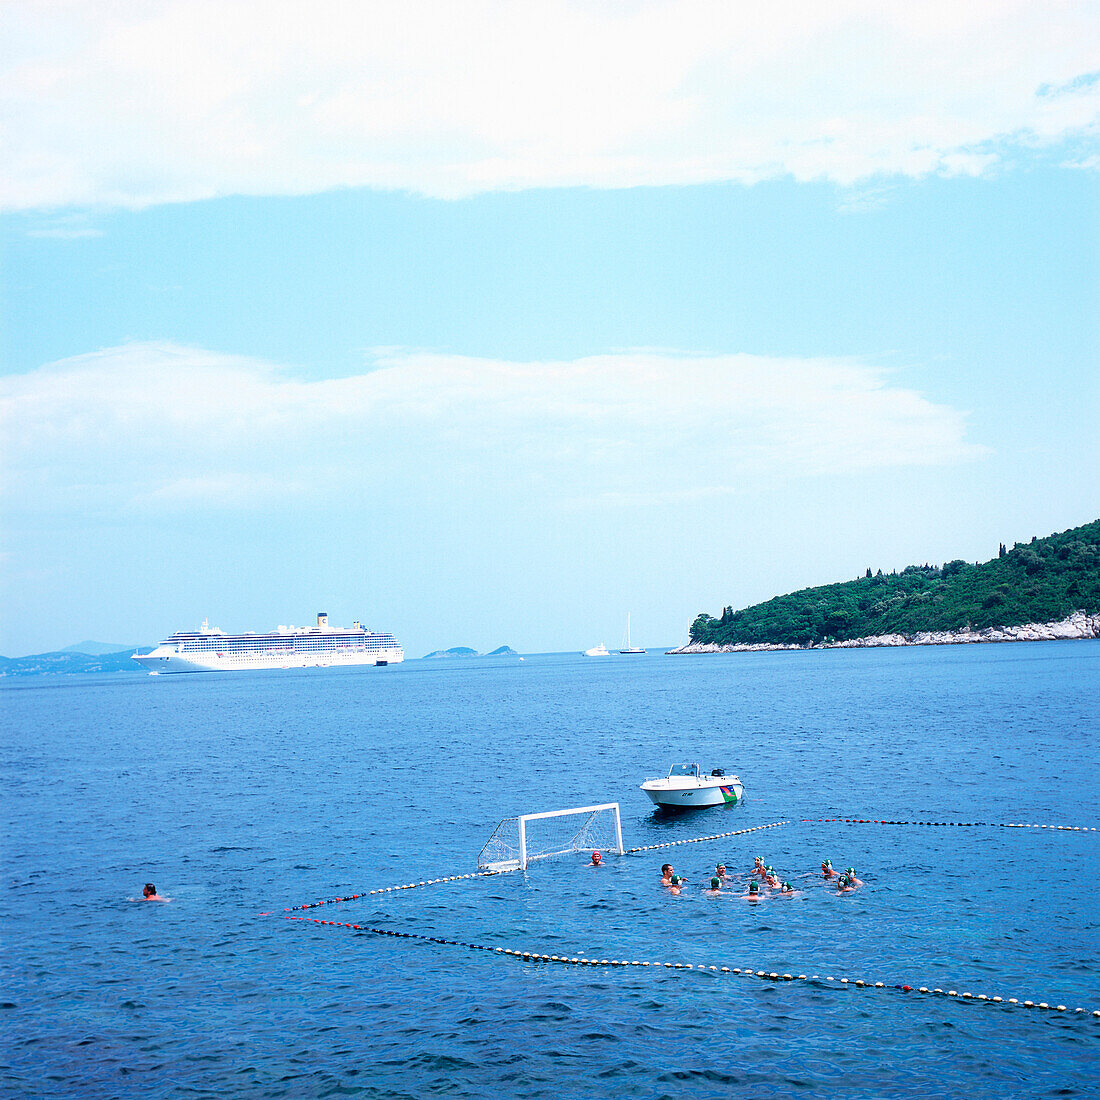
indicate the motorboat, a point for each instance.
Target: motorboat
{"x":685,"y":787}
{"x":598,"y":651}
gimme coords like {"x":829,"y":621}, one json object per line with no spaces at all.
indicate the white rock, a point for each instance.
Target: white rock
{"x":1076,"y":626}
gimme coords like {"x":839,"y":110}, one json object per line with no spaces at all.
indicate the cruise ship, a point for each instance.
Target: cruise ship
{"x":320,"y":646}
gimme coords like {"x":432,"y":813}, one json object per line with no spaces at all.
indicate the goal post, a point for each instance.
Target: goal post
{"x":517,"y":841}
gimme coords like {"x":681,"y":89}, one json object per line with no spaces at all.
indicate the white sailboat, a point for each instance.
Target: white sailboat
{"x":627,"y":647}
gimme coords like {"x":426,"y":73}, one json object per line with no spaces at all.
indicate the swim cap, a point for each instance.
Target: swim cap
{"x":787,"y":886}
{"x":767,"y":867}
{"x":842,"y":881}
{"x":676,"y":880}
{"x":715,"y":883}
{"x":849,"y":870}
{"x":826,"y":863}
{"x":752,"y":888}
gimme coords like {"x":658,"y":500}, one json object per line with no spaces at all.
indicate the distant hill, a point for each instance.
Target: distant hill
{"x":1040,"y":581}
{"x":503,"y":651}
{"x":61,"y":661}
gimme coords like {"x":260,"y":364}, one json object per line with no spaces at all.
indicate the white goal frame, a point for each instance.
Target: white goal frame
{"x":521,"y":826}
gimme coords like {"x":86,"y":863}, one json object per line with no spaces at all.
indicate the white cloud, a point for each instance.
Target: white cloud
{"x":158,"y":427}
{"x":136,"y":103}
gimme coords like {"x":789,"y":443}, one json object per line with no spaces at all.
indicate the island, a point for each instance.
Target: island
{"x":1048,"y":588}
{"x":466,"y":651}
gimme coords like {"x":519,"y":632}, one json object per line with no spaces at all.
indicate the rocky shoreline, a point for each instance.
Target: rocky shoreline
{"x":1076,"y":626}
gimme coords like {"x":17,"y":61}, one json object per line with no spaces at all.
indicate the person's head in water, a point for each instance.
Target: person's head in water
{"x":150,"y":890}
{"x":787,"y":888}
{"x":666,"y":870}
{"x":720,"y":869}
{"x":715,"y":882}
{"x":596,"y":857}
{"x":753,"y":888}
{"x":676,"y":880}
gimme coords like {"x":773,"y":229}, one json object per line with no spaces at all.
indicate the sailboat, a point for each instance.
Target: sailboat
{"x":627,"y":647}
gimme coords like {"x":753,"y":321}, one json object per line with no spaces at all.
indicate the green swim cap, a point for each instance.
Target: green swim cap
{"x":787,"y":886}
{"x":676,"y":880}
{"x":752,"y":888}
{"x":715,"y":883}
{"x":826,"y":863}
{"x":849,"y":870}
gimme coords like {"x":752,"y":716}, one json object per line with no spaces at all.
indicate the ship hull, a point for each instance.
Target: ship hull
{"x":164,"y":660}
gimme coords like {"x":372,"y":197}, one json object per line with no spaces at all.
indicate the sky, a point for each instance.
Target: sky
{"x":489,"y":323}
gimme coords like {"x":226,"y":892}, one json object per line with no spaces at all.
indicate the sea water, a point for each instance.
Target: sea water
{"x":242,"y":794}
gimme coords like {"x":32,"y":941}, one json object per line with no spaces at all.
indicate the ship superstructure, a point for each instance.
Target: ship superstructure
{"x":320,"y":646}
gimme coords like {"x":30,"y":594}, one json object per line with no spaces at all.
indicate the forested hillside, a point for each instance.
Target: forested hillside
{"x":1040,"y":581}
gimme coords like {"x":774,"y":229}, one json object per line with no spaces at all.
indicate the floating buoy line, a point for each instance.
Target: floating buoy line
{"x":957,"y":824}
{"x":389,"y":890}
{"x":828,"y":981}
{"x":699,"y":839}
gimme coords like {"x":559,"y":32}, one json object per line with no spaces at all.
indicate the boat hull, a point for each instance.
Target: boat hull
{"x":693,"y":797}
{"x":167,"y":660}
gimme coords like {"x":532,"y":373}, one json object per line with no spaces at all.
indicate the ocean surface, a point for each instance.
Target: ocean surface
{"x":241,"y":794}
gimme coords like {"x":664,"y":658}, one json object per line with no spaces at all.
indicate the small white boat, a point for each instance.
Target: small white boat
{"x":684,"y":788}
{"x":598,"y":651}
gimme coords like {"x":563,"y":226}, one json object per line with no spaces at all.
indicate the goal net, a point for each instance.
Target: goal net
{"x":518,"y":841}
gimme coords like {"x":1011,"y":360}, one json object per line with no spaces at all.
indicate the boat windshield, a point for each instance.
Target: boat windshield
{"x":684,"y":769}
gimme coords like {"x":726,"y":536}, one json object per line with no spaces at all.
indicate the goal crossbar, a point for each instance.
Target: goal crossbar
{"x":501,"y":853}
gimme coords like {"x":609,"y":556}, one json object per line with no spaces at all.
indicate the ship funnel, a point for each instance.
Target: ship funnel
{"x":322,"y":620}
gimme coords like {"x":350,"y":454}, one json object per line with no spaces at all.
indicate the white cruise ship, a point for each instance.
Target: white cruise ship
{"x":320,"y":646}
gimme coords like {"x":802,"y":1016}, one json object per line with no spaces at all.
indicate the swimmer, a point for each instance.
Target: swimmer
{"x":596,"y":857}
{"x":757,"y":867}
{"x":150,"y":894}
{"x":666,"y":874}
{"x":754,"y":892}
{"x":715,"y":886}
{"x":827,"y":868}
{"x":844,"y":885}
{"x":720,"y":871}
{"x":770,"y":877}
{"x":788,"y":891}
{"x":850,"y":872}
{"x":675,"y":884}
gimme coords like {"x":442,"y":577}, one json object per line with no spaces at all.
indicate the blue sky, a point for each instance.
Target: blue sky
{"x":491,"y":327}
